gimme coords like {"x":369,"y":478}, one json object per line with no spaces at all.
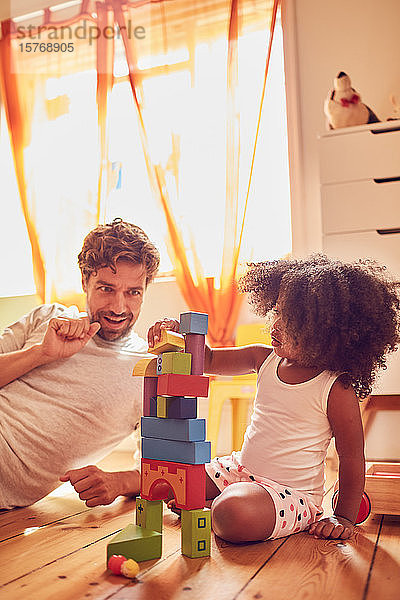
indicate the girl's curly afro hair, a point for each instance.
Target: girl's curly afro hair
{"x":344,"y":317}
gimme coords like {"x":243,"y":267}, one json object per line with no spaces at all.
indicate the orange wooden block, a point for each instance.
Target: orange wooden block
{"x":188,"y":482}
{"x":170,"y":341}
{"x":146,"y":367}
{"x":175,"y":384}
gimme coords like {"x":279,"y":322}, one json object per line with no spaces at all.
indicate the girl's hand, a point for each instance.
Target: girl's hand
{"x":334,"y":527}
{"x":154,"y":333}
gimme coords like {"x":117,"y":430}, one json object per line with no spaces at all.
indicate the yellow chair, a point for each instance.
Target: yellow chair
{"x":240,"y":390}
{"x":13,"y":308}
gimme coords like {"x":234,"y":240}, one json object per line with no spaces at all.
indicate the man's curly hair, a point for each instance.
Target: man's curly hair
{"x":343,"y":317}
{"x":106,"y":244}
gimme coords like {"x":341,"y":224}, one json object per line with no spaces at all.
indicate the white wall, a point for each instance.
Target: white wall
{"x":321,"y":38}
{"x":164,"y":299}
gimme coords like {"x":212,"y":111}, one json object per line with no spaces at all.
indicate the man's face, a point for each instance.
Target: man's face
{"x":115,"y":299}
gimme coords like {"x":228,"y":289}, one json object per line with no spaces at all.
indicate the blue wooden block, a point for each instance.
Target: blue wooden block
{"x":179,"y":407}
{"x":184,"y":430}
{"x":193,"y":322}
{"x":192,"y":453}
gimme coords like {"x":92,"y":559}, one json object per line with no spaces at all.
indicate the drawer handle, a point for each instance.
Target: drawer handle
{"x":386,"y":130}
{"x":386,"y":179}
{"x":388,"y":231}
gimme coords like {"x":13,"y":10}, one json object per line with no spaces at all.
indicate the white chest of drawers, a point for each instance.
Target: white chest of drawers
{"x":360,"y":200}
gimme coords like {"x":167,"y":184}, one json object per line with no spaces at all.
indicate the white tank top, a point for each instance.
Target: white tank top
{"x":289,"y":431}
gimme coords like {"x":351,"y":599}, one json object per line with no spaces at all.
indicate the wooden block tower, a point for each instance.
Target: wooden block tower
{"x":174,"y":450}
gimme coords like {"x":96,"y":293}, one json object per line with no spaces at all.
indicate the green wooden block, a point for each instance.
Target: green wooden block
{"x":149,"y":514}
{"x":162,"y":407}
{"x":196,"y":532}
{"x":136,"y":542}
{"x":176,"y":362}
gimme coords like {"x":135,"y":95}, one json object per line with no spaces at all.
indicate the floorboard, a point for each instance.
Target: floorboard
{"x":222,"y":576}
{"x":384,"y":579}
{"x":49,"y":510}
{"x":26,"y":553}
{"x":327,"y":569}
{"x":56,"y":549}
{"x":83,"y":569}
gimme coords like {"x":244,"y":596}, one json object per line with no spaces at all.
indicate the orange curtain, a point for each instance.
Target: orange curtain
{"x":190,"y":30}
{"x":56,"y":107}
{"x":19,"y":113}
{"x":197,"y":88}
{"x":105,"y":66}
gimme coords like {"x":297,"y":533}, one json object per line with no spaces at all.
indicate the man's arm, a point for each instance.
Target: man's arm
{"x":63,"y":338}
{"x":97,"y":487}
{"x":15,"y":364}
{"x":345,"y":419}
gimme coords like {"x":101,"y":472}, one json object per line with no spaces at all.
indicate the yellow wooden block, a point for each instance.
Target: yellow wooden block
{"x":170,"y":341}
{"x":147,"y":367}
{"x":176,"y":362}
{"x":196,"y":532}
{"x":162,"y":407}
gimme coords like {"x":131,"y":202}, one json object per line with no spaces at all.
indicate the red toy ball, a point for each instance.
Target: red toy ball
{"x":365,"y":506}
{"x":115,"y":562}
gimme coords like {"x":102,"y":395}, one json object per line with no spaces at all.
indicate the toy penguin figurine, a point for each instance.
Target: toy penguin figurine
{"x":344,"y":108}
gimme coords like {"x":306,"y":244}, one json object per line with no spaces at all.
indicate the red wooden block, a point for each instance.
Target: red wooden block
{"x":194,"y":345}
{"x":187,"y":482}
{"x":174,"y":384}
{"x":149,"y":393}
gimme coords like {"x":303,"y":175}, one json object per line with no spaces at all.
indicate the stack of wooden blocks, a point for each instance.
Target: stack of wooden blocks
{"x":174,"y":450}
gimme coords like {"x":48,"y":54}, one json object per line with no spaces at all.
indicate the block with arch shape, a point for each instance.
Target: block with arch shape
{"x":163,"y":479}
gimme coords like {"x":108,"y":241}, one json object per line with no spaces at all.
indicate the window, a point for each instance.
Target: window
{"x":267,"y":230}
{"x":15,"y":252}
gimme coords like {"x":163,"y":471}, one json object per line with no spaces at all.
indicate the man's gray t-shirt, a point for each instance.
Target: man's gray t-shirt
{"x":67,"y":414}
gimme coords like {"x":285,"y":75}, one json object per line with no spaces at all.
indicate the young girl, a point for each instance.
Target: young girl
{"x":331,"y":325}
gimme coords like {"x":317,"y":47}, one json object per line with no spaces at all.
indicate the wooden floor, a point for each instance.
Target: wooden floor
{"x":56,"y":550}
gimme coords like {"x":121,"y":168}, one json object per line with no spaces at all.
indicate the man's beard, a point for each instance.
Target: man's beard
{"x":111,"y":333}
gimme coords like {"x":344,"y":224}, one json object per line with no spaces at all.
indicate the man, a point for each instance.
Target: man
{"x":67,"y":397}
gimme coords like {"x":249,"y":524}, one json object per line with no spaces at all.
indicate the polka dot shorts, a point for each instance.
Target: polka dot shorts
{"x":295,"y":511}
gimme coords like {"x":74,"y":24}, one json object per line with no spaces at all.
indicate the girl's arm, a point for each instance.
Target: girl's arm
{"x":235,"y":361}
{"x":345,"y":419}
{"x":220,"y":361}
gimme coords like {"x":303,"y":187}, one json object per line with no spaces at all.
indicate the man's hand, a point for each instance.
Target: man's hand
{"x":97,"y":487}
{"x":334,"y":527}
{"x":64,"y":337}
{"x":154,"y":333}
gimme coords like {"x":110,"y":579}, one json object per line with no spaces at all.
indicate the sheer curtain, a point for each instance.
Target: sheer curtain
{"x":199,"y":126}
{"x":197,"y":73}
{"x":56,"y":109}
